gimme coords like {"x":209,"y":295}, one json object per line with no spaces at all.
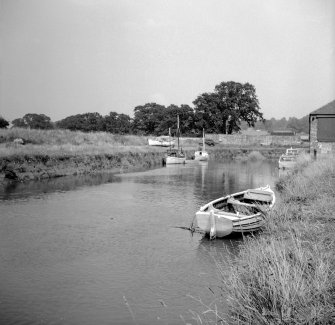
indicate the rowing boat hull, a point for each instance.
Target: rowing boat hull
{"x":217,"y":223}
{"x":223,"y":224}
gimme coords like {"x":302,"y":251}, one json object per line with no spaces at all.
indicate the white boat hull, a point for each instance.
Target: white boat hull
{"x":221,"y":225}
{"x":286,"y":164}
{"x":287,"y":161}
{"x":218,"y":223}
{"x":201,"y":155}
{"x":161,"y":143}
{"x":175,"y":160}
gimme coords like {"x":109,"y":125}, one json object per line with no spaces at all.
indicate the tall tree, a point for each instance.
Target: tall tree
{"x":223,"y":110}
{"x":168,"y":120}
{"x":148,"y":117}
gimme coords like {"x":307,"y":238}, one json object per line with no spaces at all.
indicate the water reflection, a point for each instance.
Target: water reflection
{"x":17,"y":190}
{"x":215,"y":180}
{"x":79,"y":249}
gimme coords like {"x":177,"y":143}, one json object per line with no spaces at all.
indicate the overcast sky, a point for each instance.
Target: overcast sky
{"x":66,"y":57}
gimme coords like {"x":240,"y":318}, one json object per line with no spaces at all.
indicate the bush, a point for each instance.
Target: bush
{"x":3,"y":123}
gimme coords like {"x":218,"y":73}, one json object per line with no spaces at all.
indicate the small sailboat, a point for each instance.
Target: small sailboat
{"x":240,"y":212}
{"x":202,"y":155}
{"x":175,"y":156}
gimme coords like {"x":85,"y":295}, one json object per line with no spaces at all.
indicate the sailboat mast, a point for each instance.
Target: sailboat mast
{"x":203,"y":139}
{"x":178,"y":130}
{"x":170,"y":138}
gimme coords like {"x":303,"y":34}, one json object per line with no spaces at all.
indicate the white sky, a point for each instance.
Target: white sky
{"x":65,"y":57}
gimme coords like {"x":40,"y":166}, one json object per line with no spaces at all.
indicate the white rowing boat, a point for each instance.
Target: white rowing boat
{"x":236,"y":213}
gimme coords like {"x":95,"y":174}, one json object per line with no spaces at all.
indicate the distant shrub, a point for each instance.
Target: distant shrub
{"x":252,"y":156}
{"x":255,"y":155}
{"x":3,"y":123}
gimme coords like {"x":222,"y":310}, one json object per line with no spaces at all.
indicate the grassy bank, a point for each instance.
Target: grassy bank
{"x":66,"y":142}
{"x":54,"y":153}
{"x":285,"y":275}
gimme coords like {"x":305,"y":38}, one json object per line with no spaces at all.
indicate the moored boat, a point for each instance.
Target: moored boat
{"x":292,"y":151}
{"x":175,"y":156}
{"x":202,"y":155}
{"x":287,"y":161}
{"x":163,"y":141}
{"x":241,"y":212}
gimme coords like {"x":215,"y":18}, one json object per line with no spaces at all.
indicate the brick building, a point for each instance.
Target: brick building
{"x":322,"y":130}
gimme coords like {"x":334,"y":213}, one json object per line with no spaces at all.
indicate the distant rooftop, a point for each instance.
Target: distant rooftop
{"x":326,"y":109}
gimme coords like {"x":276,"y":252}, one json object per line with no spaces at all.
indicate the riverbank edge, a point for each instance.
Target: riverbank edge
{"x":27,"y":167}
{"x":285,"y":275}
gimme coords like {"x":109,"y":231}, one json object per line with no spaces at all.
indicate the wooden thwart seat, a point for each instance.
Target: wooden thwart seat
{"x":237,"y":202}
{"x":258,"y":196}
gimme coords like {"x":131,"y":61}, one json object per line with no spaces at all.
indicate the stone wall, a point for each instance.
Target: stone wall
{"x":319,"y":148}
{"x":265,"y":140}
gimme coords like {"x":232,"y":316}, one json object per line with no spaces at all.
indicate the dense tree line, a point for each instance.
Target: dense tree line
{"x":231,"y":107}
{"x":292,"y":123}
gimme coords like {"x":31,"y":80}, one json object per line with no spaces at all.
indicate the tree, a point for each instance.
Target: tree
{"x":117,"y":123}
{"x":148,"y":117}
{"x":82,"y":122}
{"x":33,"y":121}
{"x":3,"y":123}
{"x":156,"y":119}
{"x":299,"y":125}
{"x":223,"y":110}
{"x":168,"y":120}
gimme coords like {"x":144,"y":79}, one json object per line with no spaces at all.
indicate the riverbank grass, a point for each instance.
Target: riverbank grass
{"x":286,"y":274}
{"x":60,"y":142}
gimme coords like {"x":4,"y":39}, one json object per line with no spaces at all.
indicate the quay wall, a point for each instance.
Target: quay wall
{"x":245,"y":139}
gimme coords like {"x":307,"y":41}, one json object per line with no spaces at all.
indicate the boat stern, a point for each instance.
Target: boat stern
{"x":202,"y":221}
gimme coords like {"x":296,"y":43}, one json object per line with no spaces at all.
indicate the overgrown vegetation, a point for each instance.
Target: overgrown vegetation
{"x":66,"y":142}
{"x":286,"y":274}
{"x":62,"y":137}
{"x":251,"y":156}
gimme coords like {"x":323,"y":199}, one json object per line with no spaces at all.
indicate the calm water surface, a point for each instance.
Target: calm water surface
{"x":107,"y":249}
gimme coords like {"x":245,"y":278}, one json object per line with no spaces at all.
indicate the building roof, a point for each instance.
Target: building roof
{"x":326,"y":109}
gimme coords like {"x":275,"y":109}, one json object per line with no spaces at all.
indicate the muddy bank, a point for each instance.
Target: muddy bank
{"x":24,"y":168}
{"x":32,"y":167}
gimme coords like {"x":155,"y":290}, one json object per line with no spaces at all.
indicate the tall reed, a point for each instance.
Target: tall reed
{"x":285,"y":275}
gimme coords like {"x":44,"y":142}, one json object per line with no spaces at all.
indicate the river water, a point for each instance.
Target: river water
{"x":107,"y":249}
